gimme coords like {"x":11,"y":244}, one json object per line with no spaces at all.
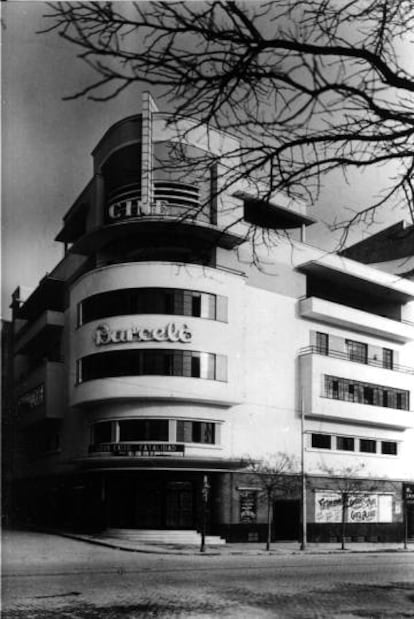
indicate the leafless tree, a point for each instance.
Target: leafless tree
{"x":353,"y":491}
{"x":275,"y":476}
{"x":310,"y":86}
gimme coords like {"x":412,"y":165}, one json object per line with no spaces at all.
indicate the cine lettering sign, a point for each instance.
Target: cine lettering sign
{"x":134,"y":207}
{"x":169,"y":333}
{"x":138,"y":450}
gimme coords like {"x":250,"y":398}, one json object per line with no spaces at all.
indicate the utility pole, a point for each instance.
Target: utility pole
{"x":303,"y":473}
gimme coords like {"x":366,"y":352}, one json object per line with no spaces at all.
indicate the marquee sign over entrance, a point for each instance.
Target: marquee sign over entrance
{"x":169,"y":333}
{"x":133,"y":450}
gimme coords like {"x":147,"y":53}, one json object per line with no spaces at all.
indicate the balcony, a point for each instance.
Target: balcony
{"x":33,"y":335}
{"x":40,"y":394}
{"x":313,"y":368}
{"x":356,"y":320}
{"x":338,"y":354}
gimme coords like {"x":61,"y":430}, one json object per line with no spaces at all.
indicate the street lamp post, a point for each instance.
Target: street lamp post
{"x":304,"y":515}
{"x":204,"y":500}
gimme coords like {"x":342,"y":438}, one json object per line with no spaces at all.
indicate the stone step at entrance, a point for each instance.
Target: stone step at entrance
{"x":164,"y":536}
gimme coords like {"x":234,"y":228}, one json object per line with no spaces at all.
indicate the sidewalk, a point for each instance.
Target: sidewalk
{"x":277,"y":548}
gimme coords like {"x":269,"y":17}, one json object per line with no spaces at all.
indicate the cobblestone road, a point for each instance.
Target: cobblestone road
{"x":47,"y":576}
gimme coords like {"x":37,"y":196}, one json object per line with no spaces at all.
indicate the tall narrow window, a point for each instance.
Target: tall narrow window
{"x":356,"y":351}
{"x":322,"y":343}
{"x":387,"y":358}
{"x":368,"y":395}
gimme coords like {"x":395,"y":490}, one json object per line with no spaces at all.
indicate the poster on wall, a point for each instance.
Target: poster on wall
{"x":328,"y":507}
{"x":248,"y":505}
{"x":361,"y":507}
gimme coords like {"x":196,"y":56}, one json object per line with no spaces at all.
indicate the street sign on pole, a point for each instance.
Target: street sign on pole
{"x":204,"y":500}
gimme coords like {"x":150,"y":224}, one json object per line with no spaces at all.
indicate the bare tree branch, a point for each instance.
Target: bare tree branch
{"x":310,"y":87}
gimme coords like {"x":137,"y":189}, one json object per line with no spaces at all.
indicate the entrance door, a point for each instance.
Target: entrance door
{"x":148,"y":506}
{"x":286,"y":520}
{"x":179,"y":506}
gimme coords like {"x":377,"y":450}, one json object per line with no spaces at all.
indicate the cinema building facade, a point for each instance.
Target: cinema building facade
{"x":156,"y":358}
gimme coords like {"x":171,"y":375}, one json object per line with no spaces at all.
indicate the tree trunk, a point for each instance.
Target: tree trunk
{"x":269,"y":521}
{"x":343,"y":524}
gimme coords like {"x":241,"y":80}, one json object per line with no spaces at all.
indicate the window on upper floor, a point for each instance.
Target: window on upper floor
{"x":157,"y":430}
{"x":195,"y":432}
{"x":345,"y":443}
{"x":102,"y":432}
{"x":143,"y":430}
{"x":348,"y":443}
{"x":389,"y":448}
{"x":356,"y":351}
{"x":321,"y":441}
{"x":172,"y":301}
{"x":365,"y":393}
{"x":387,"y":358}
{"x":367,"y":445}
{"x":322,"y":343}
{"x":153,"y":362}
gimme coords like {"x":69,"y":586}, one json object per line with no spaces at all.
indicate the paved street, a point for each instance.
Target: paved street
{"x":48,"y":576}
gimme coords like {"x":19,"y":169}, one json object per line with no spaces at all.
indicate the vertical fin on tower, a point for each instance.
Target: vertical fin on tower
{"x":148,"y":108}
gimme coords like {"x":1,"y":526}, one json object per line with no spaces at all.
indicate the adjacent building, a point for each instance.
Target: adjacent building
{"x":165,"y":351}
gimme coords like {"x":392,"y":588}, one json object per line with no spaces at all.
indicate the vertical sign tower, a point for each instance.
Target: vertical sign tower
{"x":148,"y":108}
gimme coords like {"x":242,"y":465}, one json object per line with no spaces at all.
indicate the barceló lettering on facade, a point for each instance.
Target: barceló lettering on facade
{"x":170,"y":333}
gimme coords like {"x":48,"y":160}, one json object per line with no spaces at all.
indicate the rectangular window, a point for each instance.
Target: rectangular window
{"x":102,"y":432}
{"x":79,"y":315}
{"x":221,"y":310}
{"x":365,"y":393}
{"x":79,"y":375}
{"x":196,"y":365}
{"x":221,"y":368}
{"x":322,"y":343}
{"x":184,"y":431}
{"x":196,"y":432}
{"x":351,"y":393}
{"x":356,"y":351}
{"x":387,"y":358}
{"x":402,"y":400}
{"x":196,"y":304}
{"x":368,"y":395}
{"x":367,"y":445}
{"x":143,"y":430}
{"x":345,"y":443}
{"x":321,"y":441}
{"x":389,"y":448}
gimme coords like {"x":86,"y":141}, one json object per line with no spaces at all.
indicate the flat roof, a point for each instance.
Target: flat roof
{"x":360,"y":276}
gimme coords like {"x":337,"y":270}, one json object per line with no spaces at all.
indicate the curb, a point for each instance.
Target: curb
{"x":167,"y":549}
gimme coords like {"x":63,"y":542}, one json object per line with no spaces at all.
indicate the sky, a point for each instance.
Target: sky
{"x":46,"y":146}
